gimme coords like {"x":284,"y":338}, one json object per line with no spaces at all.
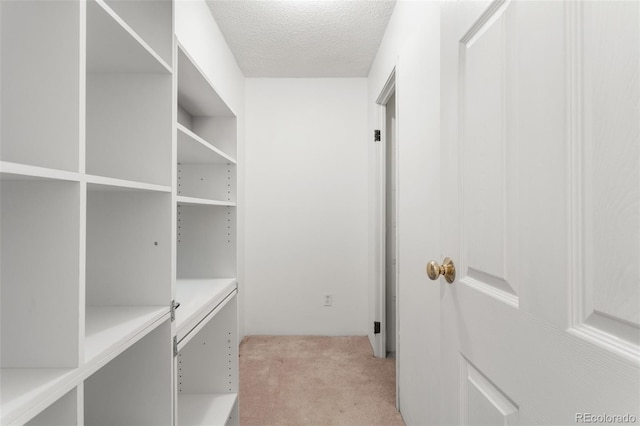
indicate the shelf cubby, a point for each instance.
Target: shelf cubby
{"x":63,"y":412}
{"x":196,"y":94}
{"x":202,"y":110}
{"x":114,"y":47}
{"x":134,"y":388}
{"x":207,"y":369}
{"x":40,"y":245}
{"x":128,"y":272}
{"x":40,"y":83}
{"x":128,"y":102}
{"x":128,"y":247}
{"x":152,"y":20}
{"x":129,"y":126}
{"x":207,"y":181}
{"x":206,"y":241}
{"x":218,"y":131}
{"x":192,"y":149}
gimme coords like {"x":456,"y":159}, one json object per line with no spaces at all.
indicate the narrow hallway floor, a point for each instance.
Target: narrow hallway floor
{"x":313,"y":380}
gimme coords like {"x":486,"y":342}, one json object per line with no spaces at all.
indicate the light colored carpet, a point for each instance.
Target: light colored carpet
{"x":310,"y":380}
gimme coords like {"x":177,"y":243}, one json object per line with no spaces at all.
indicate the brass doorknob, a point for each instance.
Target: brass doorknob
{"x":447,"y":269}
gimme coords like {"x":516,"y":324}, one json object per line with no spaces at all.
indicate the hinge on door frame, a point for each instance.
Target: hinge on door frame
{"x":376,"y":327}
{"x":175,"y":345}
{"x":174,"y":306}
{"x":376,"y":136}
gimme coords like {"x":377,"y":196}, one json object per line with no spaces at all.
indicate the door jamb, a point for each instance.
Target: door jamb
{"x":387,"y":91}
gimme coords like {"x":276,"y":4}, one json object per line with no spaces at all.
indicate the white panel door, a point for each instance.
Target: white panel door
{"x":541,"y":212}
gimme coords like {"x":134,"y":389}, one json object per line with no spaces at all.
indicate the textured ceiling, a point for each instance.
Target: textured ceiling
{"x":303,"y":38}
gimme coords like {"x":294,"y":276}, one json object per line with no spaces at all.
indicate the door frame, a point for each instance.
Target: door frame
{"x":389,"y":89}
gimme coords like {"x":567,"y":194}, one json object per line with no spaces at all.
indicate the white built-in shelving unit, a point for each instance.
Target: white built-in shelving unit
{"x":109,"y":210}
{"x":206,"y":326}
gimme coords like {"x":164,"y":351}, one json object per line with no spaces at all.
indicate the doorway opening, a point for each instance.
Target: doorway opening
{"x":388,"y":344}
{"x":387,"y":291}
{"x":390,"y":196}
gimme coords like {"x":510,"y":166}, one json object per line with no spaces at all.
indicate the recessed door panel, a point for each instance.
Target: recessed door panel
{"x":482,"y":403}
{"x":487,"y":148}
{"x":607,"y":152}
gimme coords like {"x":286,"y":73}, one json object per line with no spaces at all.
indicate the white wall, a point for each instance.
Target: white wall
{"x":306,"y":194}
{"x":411,"y":43}
{"x":200,"y":35}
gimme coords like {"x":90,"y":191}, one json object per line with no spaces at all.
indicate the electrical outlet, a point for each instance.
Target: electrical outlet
{"x":328,"y":299}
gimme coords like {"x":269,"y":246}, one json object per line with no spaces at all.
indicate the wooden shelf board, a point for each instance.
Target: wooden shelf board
{"x":192,"y":149}
{"x":16,"y":171}
{"x":101,"y":183}
{"x":110,"y":330}
{"x":196,"y":94}
{"x":28,"y":391}
{"x":197,"y":298}
{"x":113,"y":46}
{"x":205,"y":409}
{"x":191,"y":201}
